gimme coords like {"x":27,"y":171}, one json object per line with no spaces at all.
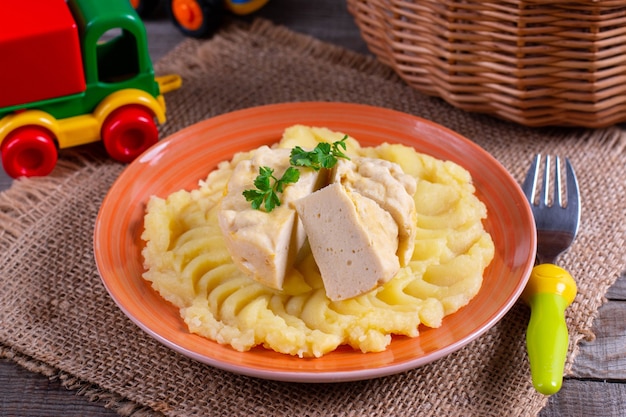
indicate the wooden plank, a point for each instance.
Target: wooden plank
{"x":24,"y":393}
{"x":5,"y":180}
{"x":163,"y":37}
{"x":326,"y":20}
{"x":605,"y":357}
{"x":618,"y":290}
{"x":586,"y":398}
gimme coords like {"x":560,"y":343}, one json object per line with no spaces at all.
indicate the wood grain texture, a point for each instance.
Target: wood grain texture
{"x":618,"y":291}
{"x":24,"y":393}
{"x":5,"y":181}
{"x":587,"y":398}
{"x":596,"y":388}
{"x":605,"y":357}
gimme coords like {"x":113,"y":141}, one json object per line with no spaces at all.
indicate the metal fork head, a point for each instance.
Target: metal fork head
{"x":556,"y":220}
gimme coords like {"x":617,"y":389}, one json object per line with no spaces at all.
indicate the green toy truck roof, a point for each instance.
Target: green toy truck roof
{"x":95,"y":17}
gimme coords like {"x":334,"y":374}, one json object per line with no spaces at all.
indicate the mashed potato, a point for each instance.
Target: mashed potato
{"x":187,"y":262}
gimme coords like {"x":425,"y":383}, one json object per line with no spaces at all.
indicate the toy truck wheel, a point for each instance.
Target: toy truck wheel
{"x":144,"y":8}
{"x":29,"y":151}
{"x":196,"y":18}
{"x":128,"y":131}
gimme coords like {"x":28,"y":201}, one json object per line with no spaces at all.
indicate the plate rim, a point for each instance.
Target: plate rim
{"x":309,"y":376}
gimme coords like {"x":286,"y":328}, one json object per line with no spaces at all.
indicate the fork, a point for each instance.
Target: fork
{"x":550,"y":289}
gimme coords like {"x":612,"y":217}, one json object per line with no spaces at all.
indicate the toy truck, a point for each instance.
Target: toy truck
{"x":198,"y":18}
{"x":75,"y":72}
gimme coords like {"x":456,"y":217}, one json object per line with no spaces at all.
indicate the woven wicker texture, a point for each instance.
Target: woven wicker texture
{"x":536,"y":62}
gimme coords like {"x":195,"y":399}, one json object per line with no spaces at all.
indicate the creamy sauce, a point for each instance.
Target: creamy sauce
{"x":223,"y":294}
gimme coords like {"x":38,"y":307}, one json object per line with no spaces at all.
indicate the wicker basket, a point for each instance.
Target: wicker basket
{"x":533,"y":62}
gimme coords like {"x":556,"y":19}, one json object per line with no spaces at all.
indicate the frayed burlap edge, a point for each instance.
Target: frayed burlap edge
{"x":92,"y":392}
{"x":17,"y":213}
{"x":17,"y":203}
{"x":24,"y":191}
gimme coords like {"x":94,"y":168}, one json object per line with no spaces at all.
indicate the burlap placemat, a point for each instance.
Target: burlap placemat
{"x":56,"y":317}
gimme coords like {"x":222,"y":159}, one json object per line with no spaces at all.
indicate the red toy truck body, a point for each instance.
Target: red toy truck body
{"x":75,"y":72}
{"x":23,"y":81}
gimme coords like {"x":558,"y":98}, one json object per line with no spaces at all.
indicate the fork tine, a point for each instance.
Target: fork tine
{"x":530,"y":182}
{"x":573,"y":193}
{"x":558,"y":199}
{"x":545,"y":194}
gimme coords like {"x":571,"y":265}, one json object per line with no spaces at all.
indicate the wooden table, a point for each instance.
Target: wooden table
{"x":597,"y":388}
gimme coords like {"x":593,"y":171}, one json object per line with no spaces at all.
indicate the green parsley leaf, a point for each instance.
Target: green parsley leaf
{"x":300,"y":157}
{"x":338,"y":153}
{"x":265,"y":195}
{"x":291,"y":176}
{"x":324,"y":155}
{"x":267,"y":187}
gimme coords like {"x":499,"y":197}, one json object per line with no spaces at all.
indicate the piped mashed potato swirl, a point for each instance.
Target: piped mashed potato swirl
{"x":187,"y":262}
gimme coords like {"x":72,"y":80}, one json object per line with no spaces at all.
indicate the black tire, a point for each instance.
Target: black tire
{"x":145,"y":8}
{"x":211,"y":14}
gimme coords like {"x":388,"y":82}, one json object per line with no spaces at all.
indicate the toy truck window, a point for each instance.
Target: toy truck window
{"x":116,"y":53}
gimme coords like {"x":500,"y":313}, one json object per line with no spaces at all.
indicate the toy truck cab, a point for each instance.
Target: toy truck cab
{"x":80,"y":72}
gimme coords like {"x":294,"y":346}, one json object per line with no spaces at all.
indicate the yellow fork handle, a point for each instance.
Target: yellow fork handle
{"x":550,"y":290}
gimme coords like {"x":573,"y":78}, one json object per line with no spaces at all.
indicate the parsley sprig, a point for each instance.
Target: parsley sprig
{"x":267,"y":187}
{"x":325,"y":155}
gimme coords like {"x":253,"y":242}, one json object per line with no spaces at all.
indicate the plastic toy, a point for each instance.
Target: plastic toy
{"x":198,"y":18}
{"x":79,"y":72}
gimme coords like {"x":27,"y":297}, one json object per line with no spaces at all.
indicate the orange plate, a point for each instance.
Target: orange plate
{"x":184,"y":158}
